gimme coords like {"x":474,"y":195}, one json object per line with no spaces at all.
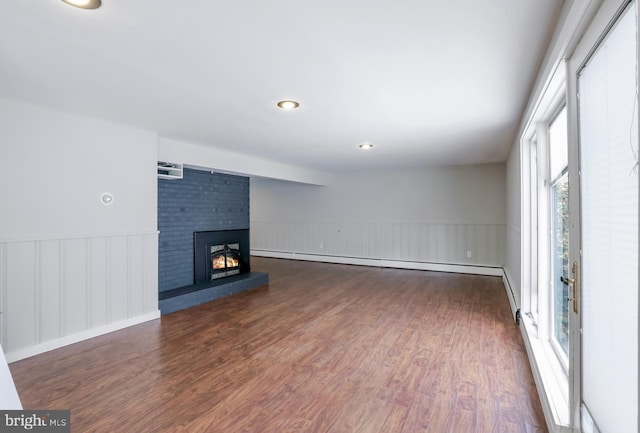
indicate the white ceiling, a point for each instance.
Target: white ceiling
{"x":427,"y":82}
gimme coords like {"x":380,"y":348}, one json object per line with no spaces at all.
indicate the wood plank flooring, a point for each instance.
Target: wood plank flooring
{"x":323,"y":348}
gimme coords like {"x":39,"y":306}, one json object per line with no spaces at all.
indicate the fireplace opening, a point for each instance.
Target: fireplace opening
{"x":225,"y":260}
{"x":220,"y":253}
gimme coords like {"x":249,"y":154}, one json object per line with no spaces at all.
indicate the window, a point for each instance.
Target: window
{"x":580,"y":224}
{"x":546,"y":214}
{"x":532,"y":307}
{"x":550,"y":267}
{"x":559,"y":233}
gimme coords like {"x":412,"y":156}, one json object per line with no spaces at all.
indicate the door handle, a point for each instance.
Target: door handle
{"x":567,"y":281}
{"x":575,"y":271}
{"x":573,"y":284}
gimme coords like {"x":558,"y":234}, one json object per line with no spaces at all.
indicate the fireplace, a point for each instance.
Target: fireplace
{"x":225,"y":260}
{"x":220,"y":254}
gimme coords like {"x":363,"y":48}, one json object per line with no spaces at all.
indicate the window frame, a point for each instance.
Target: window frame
{"x":563,"y":356}
{"x":537,"y":223}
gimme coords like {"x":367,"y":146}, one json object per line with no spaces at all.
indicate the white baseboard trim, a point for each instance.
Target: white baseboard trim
{"x":37,"y":349}
{"x":509,"y":287}
{"x":494,"y":271}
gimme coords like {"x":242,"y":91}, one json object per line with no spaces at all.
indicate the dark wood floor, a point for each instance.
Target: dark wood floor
{"x":323,"y":348}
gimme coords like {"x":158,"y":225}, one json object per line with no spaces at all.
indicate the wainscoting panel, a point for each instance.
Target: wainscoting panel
{"x":135,"y":298}
{"x":51,"y":289}
{"x":513,"y":258}
{"x":118,"y":279}
{"x":74,"y":287}
{"x":97,"y":280}
{"x":21,"y":304}
{"x":420,"y":242}
{"x":49,"y":277}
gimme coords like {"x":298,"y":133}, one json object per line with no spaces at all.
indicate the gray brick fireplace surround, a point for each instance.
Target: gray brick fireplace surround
{"x":200,"y":201}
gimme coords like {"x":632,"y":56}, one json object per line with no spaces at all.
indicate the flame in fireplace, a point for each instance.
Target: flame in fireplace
{"x":218,"y":262}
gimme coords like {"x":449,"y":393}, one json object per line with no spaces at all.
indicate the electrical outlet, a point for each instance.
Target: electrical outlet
{"x":321,"y":245}
{"x":469,"y":254}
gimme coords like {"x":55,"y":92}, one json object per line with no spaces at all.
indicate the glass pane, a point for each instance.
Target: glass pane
{"x":559,"y":151}
{"x":560,"y":260}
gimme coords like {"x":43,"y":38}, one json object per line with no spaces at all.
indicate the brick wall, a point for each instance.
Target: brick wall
{"x":200,"y":201}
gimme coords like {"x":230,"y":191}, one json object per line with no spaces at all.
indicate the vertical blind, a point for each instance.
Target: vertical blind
{"x":609,"y":224}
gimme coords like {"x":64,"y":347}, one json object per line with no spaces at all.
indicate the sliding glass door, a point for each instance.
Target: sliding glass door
{"x":607,"y":228}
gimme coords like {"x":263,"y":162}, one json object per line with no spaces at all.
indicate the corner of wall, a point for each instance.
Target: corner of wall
{"x":511,"y":289}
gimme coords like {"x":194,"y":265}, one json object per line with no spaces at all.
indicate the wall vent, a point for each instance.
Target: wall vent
{"x":169,"y":170}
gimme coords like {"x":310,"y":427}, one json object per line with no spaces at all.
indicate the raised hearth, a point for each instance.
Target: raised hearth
{"x":221,"y":267}
{"x":196,"y":294}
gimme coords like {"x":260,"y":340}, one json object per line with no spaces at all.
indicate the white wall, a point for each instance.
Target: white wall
{"x":55,"y":166}
{"x":70,"y":266}
{"x":513,"y":256}
{"x":426,"y":215}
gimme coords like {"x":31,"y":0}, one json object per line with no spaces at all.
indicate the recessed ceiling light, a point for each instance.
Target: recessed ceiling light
{"x":365,"y":146}
{"x":106,"y":198}
{"x":288,"y":104}
{"x":84,"y":4}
